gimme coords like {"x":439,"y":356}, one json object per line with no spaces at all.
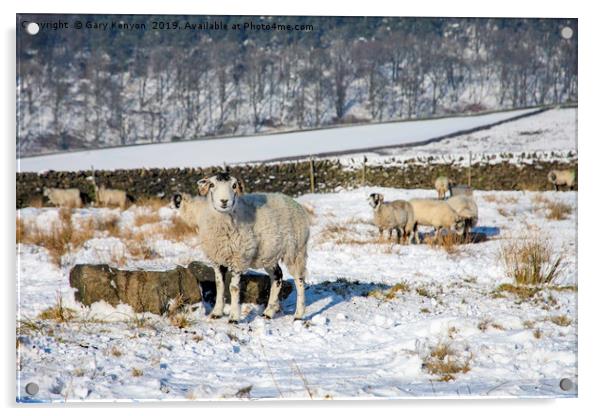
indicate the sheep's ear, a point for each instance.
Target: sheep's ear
{"x":381,"y":197}
{"x":203,"y":186}
{"x":177,"y":199}
{"x":240,"y":188}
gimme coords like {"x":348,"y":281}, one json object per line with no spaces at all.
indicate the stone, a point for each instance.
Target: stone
{"x":151,"y":291}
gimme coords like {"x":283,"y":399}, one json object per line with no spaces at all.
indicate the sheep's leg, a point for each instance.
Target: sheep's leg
{"x":220,"y":276}
{"x":235,"y":297}
{"x":390,"y":233}
{"x":300,"y":308}
{"x":398,"y":232}
{"x":556,"y":187}
{"x":273,"y":302}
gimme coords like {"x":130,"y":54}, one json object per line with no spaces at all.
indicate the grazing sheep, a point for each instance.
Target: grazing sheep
{"x":442,"y":185}
{"x":189,"y":208}
{"x":467,"y":208}
{"x":110,"y":197}
{"x":69,"y":198}
{"x":562,"y":178}
{"x":395,"y":215}
{"x":437,"y":214}
{"x":240,"y":231}
{"x":455,"y":190}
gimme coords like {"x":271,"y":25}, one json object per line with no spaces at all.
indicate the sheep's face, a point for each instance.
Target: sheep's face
{"x":375,"y":200}
{"x":552,"y":176}
{"x":46,"y":192}
{"x":222,"y":190}
{"x":458,"y":226}
{"x":176,"y":201}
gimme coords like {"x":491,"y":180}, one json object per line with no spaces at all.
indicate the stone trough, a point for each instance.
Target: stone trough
{"x":151,"y":291}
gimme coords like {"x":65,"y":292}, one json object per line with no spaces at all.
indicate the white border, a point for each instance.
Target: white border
{"x":590,"y":137}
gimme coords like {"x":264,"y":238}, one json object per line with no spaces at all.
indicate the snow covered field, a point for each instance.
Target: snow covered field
{"x":551,"y":131}
{"x":215,"y":152}
{"x":363,"y":337}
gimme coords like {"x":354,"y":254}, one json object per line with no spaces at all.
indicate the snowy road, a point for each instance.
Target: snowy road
{"x":202,"y":153}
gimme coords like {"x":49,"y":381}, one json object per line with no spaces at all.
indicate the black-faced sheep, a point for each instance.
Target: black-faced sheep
{"x":395,"y":215}
{"x":241,"y":231}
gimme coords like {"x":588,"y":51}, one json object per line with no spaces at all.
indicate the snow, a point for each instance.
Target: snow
{"x":215,"y":152}
{"x":351,"y":344}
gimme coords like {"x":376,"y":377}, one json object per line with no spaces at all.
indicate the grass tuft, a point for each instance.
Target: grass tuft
{"x":531,"y":262}
{"x":58,"y":312}
{"x":445,"y":363}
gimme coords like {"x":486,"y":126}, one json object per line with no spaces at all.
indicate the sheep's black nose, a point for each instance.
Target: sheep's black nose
{"x":224,"y":202}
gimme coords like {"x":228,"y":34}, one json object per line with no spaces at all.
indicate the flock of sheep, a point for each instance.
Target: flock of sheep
{"x":239,"y":231}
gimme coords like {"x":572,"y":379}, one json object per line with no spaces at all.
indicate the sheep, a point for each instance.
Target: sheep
{"x":240,"y":231}
{"x":395,"y":215}
{"x":437,"y":214}
{"x":189,"y":208}
{"x":442,"y":185}
{"x":466,"y":207}
{"x":108,"y":197}
{"x":562,"y":178}
{"x":70,"y":197}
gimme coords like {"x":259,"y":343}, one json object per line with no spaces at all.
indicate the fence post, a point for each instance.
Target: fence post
{"x":311,"y":175}
{"x":470,"y":169}
{"x":364,"y":171}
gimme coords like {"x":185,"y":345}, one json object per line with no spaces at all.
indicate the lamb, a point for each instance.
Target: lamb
{"x":395,"y":215}
{"x":466,"y":207}
{"x":63,"y":197}
{"x":442,"y":185}
{"x":562,"y":178}
{"x":240,"y":231}
{"x":437,"y":214}
{"x":189,"y":208}
{"x":110,"y":197}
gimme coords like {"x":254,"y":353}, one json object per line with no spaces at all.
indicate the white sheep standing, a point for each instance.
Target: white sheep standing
{"x":562,"y":178}
{"x":394,"y":215}
{"x":438,"y":214}
{"x":189,"y":208}
{"x":240,"y":231}
{"x":69,"y":197}
{"x":109,"y":197}
{"x":442,"y":185}
{"x":466,"y":207}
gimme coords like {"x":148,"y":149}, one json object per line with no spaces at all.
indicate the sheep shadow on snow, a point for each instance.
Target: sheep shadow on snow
{"x":335,"y":292}
{"x":477,"y":235}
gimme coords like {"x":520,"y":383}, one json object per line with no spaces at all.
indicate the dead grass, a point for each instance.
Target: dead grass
{"x":391,"y":293}
{"x":448,"y":242}
{"x":487,"y":323}
{"x":560,"y":320}
{"x":178,"y":230}
{"x":115,"y":352}
{"x":58,"y":312}
{"x":61,"y":238}
{"x":147,"y":218}
{"x":153,"y":203}
{"x":537,"y":333}
{"x":531,"y":262}
{"x":136,"y":372}
{"x":422,"y":291}
{"x":558,"y":211}
{"x":445,"y":363}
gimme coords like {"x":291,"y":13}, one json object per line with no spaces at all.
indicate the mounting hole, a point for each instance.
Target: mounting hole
{"x":32,"y":389}
{"x":32,"y":28}
{"x":566,"y":32}
{"x":566,"y":384}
